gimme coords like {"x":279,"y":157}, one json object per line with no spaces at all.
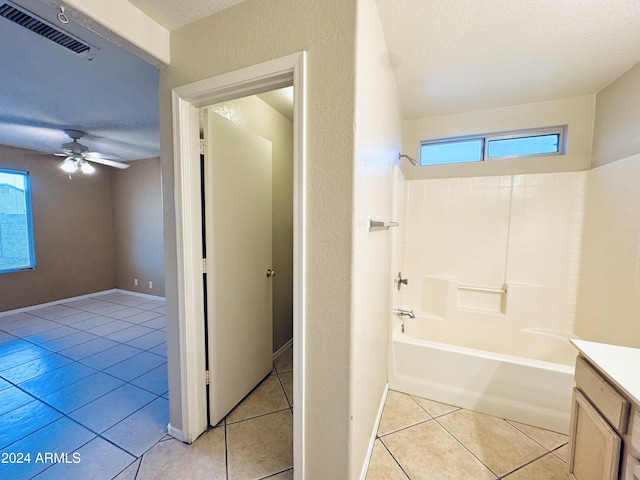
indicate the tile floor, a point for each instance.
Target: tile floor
{"x":85,"y":377}
{"x":88,"y":378}
{"x":254,"y":441}
{"x":423,"y":439}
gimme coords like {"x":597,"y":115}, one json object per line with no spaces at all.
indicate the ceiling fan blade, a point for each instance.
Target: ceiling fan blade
{"x":109,"y":163}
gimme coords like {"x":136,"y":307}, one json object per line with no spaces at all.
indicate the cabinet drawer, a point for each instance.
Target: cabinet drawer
{"x":613,"y":406}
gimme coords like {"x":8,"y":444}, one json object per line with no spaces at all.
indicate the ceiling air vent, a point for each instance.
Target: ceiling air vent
{"x":41,"y":27}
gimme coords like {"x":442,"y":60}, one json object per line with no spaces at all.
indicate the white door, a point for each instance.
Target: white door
{"x":239,"y":289}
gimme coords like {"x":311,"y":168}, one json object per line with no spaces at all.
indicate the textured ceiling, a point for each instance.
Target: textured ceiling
{"x":448,"y":56}
{"x":459,"y":55}
{"x":112,"y":95}
{"x":172,"y":14}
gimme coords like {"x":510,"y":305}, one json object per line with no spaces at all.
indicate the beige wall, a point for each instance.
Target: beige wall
{"x":617,"y":119}
{"x":262,"y":119}
{"x":378,"y":130}
{"x":609,"y":297}
{"x":137,"y":227}
{"x":576,"y":112}
{"x":609,"y":292}
{"x":73,"y":234}
{"x":247,"y":34}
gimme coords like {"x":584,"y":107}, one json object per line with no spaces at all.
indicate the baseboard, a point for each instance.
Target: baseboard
{"x":281,"y":350}
{"x":47,"y":304}
{"x":175,"y":433}
{"x":372,"y":440}
{"x":139,"y":294}
{"x":79,"y":297}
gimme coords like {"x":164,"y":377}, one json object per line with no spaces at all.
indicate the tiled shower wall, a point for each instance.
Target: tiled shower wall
{"x":521,"y":233}
{"x":609,"y":296}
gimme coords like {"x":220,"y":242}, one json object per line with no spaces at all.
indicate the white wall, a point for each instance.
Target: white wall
{"x":519,"y":232}
{"x":617,"y":119}
{"x":378,"y":134}
{"x":576,"y":112}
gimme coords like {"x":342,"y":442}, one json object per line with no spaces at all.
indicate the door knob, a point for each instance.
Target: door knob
{"x":271,"y":273}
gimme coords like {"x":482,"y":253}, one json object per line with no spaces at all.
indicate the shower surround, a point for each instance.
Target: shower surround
{"x":503,"y":248}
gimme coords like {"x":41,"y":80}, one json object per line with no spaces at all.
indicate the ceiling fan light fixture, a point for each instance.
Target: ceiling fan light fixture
{"x":69,"y":165}
{"x":87,"y":168}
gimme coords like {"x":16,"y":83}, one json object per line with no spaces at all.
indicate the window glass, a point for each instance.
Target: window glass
{"x":476,"y":148}
{"x":16,"y":229}
{"x":535,"y":145}
{"x":451,"y":152}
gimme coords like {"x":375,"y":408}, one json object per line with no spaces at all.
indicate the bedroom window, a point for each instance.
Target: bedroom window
{"x":17,"y":251}
{"x":478,"y":148}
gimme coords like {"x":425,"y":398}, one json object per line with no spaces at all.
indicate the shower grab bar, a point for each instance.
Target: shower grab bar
{"x":381,"y":224}
{"x":483,"y":289}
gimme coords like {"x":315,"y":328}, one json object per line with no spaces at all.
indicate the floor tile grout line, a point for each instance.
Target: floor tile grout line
{"x":405,"y":428}
{"x":141,"y":458}
{"x":465,"y":447}
{"x":60,"y":352}
{"x":73,"y":419}
{"x":107,"y":320}
{"x":257,"y":416}
{"x":52,"y":422}
{"x":530,"y":437}
{"x":524,"y":465}
{"x":421,"y":407}
{"x":271,"y":475}
{"x":67,"y":415}
{"x":79,"y":330}
{"x":284,"y":390}
{"x":226,"y":450}
{"x":60,"y":323}
{"x":88,"y":366}
{"x":556,"y":455}
{"x":394,"y":458}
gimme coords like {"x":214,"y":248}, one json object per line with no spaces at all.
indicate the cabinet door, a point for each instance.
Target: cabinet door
{"x":632,"y":470}
{"x":594,"y":445}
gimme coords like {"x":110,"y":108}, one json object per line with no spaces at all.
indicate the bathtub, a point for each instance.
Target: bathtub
{"x":490,"y":367}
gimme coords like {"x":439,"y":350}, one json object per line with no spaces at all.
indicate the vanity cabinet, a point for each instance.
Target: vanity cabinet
{"x":631,"y":461}
{"x":604,"y":437}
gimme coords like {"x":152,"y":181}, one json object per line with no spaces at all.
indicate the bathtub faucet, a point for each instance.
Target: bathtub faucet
{"x":404,"y":313}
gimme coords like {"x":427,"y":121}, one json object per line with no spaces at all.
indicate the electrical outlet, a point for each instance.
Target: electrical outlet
{"x":150,"y":284}
{"x":135,"y":282}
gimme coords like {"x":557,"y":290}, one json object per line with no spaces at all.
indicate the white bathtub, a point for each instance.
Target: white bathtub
{"x":521,"y":375}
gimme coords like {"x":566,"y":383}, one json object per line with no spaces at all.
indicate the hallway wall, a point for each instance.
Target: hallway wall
{"x":247,"y":34}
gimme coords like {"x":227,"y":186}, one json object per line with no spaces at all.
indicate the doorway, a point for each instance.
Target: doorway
{"x":187,"y":100}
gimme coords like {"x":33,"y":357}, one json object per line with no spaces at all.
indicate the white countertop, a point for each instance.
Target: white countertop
{"x":621,"y":365}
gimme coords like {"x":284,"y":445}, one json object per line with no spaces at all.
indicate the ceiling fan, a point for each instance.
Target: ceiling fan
{"x":79,"y":156}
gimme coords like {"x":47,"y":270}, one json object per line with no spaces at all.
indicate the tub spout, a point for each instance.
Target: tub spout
{"x":404,"y":313}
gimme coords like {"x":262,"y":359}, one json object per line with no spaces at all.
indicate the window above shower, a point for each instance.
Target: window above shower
{"x":478,"y":148}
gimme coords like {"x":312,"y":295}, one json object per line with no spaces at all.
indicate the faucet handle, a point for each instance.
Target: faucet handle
{"x":401,"y":280}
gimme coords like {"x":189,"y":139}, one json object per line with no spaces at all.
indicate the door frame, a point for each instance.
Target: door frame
{"x":186,"y":101}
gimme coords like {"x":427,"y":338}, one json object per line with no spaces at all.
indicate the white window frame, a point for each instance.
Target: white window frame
{"x":560,"y":130}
